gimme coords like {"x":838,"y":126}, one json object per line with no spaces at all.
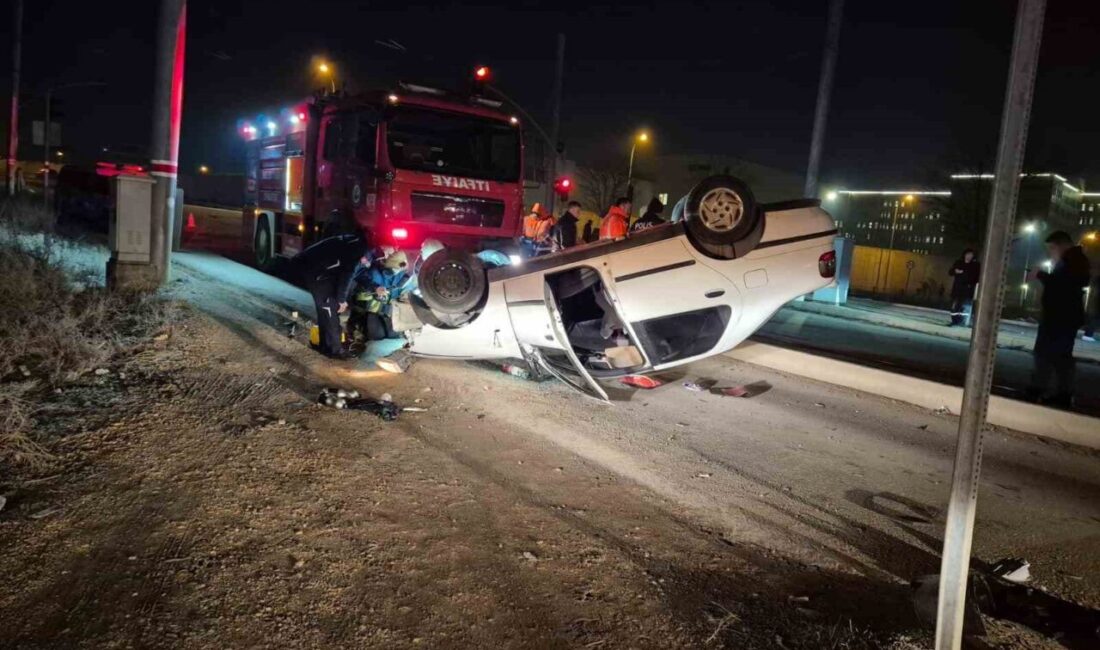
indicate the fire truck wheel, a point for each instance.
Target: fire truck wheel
{"x":721,"y":211}
{"x":262,"y":244}
{"x":453,"y":282}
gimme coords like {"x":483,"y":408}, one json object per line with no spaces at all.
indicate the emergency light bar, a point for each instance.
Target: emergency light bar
{"x":427,"y":90}
{"x":491,"y":103}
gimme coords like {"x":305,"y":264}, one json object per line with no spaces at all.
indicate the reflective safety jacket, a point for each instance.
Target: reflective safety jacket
{"x":615,"y":223}
{"x":537,"y":229}
{"x":369,"y":278}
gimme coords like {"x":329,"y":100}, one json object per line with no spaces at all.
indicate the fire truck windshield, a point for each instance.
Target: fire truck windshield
{"x":452,"y":143}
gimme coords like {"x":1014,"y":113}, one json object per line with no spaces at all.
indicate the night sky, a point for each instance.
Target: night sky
{"x":919,"y":84}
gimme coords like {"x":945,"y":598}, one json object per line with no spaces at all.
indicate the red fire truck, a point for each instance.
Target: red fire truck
{"x":402,"y":165}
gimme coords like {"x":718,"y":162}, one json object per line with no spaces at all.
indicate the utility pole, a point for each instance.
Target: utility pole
{"x":824,"y":92}
{"x":555,"y":124}
{"x":46,"y":153}
{"x":959,"y":531}
{"x":165,"y":139}
{"x":16,"y":61}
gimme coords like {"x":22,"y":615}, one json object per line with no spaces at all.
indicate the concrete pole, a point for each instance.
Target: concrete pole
{"x":16,"y":65}
{"x":167,"y":113}
{"x":824,"y":92}
{"x":959,"y":532}
{"x":555,"y":124}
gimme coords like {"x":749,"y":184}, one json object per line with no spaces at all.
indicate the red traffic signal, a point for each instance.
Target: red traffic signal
{"x":563,"y":185}
{"x":482,"y":73}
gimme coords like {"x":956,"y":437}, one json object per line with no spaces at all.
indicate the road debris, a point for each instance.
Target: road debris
{"x":530,"y":557}
{"x":102,"y":371}
{"x":515,"y":371}
{"x":414,"y":409}
{"x":42,"y":514}
{"x":734,"y":391}
{"x":641,"y":381}
{"x":339,"y":398}
{"x":943,"y":410}
{"x":693,"y":387}
{"x":1016,"y":570}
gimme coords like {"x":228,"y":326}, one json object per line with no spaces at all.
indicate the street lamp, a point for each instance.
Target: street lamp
{"x":326,"y":71}
{"x":59,"y":153}
{"x":641,"y":138}
{"x":906,"y":200}
{"x":831,"y":195}
{"x":203,"y":169}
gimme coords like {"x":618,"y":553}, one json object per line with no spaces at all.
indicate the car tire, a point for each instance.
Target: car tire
{"x":720,"y":211}
{"x":453,"y":282}
{"x":263,"y":244}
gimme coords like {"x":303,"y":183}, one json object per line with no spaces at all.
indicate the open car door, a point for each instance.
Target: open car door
{"x":563,"y":363}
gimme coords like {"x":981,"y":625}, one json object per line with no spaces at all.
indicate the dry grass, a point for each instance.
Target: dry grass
{"x":56,"y":323}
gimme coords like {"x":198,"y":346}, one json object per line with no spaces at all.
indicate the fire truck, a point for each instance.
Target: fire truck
{"x":401,"y":165}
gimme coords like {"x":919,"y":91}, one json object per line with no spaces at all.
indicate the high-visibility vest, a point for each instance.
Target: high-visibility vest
{"x":537,"y":229}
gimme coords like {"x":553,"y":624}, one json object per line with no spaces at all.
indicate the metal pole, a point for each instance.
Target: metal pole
{"x":555,"y":123}
{"x":167,"y":111}
{"x":16,"y":61}
{"x":959,"y":531}
{"x":824,"y":91}
{"x":630,"y":172}
{"x":46,"y":153}
{"x":890,"y":249}
{"x":1027,"y":263}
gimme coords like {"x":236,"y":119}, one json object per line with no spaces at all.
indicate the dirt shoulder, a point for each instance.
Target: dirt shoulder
{"x":205,"y":500}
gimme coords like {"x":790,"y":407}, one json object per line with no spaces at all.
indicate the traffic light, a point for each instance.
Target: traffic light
{"x":563,"y":186}
{"x":482,"y":74}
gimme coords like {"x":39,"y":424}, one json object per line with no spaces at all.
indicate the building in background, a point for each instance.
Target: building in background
{"x":944,"y":222}
{"x":917,"y":218}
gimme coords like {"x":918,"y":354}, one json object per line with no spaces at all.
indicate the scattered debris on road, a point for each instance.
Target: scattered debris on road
{"x":734,"y":391}
{"x":693,"y":387}
{"x":339,"y":398}
{"x":943,"y":410}
{"x":641,"y":381}
{"x":1016,"y":570}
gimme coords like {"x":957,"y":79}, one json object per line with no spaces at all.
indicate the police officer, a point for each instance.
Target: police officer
{"x":326,"y":269}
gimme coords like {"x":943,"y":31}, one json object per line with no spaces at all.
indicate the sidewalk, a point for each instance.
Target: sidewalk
{"x":1013,"y":334}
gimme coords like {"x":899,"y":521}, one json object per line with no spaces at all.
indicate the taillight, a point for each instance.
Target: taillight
{"x":399,"y":234}
{"x":826,"y":264}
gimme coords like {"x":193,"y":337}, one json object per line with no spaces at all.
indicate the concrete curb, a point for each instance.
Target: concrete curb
{"x":1005,"y":340}
{"x":1064,"y":426}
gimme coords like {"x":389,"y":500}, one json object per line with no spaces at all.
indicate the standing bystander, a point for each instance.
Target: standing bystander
{"x":1062,"y":312}
{"x":965,"y":272}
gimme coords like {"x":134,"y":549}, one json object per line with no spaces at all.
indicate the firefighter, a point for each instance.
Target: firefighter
{"x":536,"y":232}
{"x":373,"y":291}
{"x":326,"y":269}
{"x":616,"y":222}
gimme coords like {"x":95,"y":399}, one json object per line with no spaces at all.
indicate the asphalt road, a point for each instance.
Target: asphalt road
{"x":826,"y":476}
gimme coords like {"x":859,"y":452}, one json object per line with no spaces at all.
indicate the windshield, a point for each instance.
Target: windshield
{"x":450,"y":143}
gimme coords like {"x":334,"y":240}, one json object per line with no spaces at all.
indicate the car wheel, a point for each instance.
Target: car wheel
{"x":262,"y":244}
{"x":453,"y":282}
{"x":720,"y":211}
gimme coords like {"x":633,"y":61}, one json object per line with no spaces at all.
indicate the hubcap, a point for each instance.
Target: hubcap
{"x":263,"y":245}
{"x":721,"y":209}
{"x":452,"y":281}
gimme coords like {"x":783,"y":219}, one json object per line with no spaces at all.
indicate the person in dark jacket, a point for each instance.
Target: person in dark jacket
{"x":651,"y":217}
{"x":1062,"y":312}
{"x":965,"y":272}
{"x":565,"y":231}
{"x":326,"y":269}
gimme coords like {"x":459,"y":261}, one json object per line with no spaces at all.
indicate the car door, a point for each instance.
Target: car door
{"x":537,"y":322}
{"x":676,"y":304}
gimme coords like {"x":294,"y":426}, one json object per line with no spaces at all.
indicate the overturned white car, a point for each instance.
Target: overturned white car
{"x":657,"y":299}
